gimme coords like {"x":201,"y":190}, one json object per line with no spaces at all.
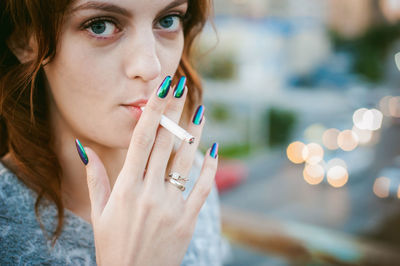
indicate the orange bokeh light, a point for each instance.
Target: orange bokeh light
{"x":337,"y":176}
{"x":313,"y":174}
{"x":297,"y":152}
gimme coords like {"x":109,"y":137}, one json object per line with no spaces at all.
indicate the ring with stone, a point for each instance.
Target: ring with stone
{"x":176,"y":176}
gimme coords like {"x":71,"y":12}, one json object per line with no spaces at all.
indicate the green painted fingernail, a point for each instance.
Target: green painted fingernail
{"x":198,"y":116}
{"x":214,"y":150}
{"x":81,"y":152}
{"x":164,"y":87}
{"x":180,"y":88}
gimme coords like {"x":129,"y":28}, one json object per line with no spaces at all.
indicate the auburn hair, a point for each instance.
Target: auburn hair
{"x":25,"y":132}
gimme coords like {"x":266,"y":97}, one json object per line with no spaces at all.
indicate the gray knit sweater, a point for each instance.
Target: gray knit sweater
{"x":22,"y":242}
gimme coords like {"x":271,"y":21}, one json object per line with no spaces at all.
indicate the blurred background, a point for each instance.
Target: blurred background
{"x":303,"y":97}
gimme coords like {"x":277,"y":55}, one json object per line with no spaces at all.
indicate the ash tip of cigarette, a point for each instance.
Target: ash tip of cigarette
{"x":191,"y":140}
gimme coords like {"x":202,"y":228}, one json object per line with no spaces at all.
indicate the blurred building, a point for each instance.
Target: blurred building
{"x":272,"y":8}
{"x":350,"y":17}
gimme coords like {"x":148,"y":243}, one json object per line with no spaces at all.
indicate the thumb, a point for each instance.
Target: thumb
{"x":97,"y":179}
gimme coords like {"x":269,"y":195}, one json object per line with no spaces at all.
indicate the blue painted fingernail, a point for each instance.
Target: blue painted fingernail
{"x":198,"y":116}
{"x":81,"y":152}
{"x":180,"y":88}
{"x":214,"y":150}
{"x":164,"y":87}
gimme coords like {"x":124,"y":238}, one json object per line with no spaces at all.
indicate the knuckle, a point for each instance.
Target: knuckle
{"x":183,"y":162}
{"x":164,"y":141}
{"x":142,"y":139}
{"x":167,"y":217}
{"x":155,"y":106}
{"x":147,"y":203}
{"x":175,"y":107}
{"x":210,"y":168}
{"x":204,"y":191}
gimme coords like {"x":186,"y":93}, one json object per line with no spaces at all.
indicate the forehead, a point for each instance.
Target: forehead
{"x":125,"y":7}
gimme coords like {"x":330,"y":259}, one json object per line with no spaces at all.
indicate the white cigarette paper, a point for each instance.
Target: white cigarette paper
{"x":175,"y":129}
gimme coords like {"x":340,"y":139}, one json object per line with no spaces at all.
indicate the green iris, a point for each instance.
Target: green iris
{"x":98,"y":27}
{"x":167,"y":22}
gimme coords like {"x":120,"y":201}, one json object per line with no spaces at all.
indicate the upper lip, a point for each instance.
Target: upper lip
{"x":138,"y":103}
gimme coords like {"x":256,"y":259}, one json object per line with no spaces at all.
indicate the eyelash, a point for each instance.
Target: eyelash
{"x":89,"y":23}
{"x":180,"y":16}
{"x":86,"y":25}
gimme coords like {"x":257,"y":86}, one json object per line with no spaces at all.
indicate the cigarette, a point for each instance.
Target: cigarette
{"x":175,"y":129}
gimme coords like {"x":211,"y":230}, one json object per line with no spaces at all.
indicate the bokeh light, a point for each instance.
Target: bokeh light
{"x":384,"y":105}
{"x":336,"y":162}
{"x":375,"y":117}
{"x":337,"y":176}
{"x":394,"y":106}
{"x":358,"y":118}
{"x":313,"y":174}
{"x":297,"y":152}
{"x":368,"y":119}
{"x":376,"y":137}
{"x":347,"y":140}
{"x":314,"y":132}
{"x":398,"y":192}
{"x":329,"y":138}
{"x":364,"y":135}
{"x":390,"y":9}
{"x":381,"y":187}
{"x":315,"y":153}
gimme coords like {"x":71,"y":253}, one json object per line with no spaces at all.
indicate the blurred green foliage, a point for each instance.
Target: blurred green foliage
{"x":235,"y":150}
{"x":216,"y":66}
{"x":219,"y":112}
{"x":280,"y":124}
{"x":370,"y":50}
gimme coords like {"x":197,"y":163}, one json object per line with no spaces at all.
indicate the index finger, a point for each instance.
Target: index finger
{"x":145,"y":131}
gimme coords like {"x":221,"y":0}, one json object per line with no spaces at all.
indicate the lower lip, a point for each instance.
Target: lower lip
{"x":135,"y":111}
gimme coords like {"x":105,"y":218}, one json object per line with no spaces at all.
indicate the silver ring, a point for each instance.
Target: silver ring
{"x":177,"y":184}
{"x":178,"y":177}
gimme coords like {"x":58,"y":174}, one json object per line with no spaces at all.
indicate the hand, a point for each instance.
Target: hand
{"x":145,"y":220}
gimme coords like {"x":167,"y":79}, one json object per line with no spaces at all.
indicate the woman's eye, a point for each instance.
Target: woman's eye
{"x":170,"y":23}
{"x":102,"y":28}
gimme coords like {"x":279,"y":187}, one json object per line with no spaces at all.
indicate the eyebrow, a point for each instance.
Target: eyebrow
{"x":117,"y":9}
{"x":102,"y":6}
{"x":175,"y":4}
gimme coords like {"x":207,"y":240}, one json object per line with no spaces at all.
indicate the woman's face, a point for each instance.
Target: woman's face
{"x":112,"y":53}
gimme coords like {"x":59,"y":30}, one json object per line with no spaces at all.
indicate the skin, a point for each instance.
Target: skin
{"x":95,"y":71}
{"x":138,"y":218}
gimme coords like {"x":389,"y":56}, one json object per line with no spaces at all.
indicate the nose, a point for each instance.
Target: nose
{"x":141,"y":60}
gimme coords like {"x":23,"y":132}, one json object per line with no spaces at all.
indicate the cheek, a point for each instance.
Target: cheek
{"x":80,"y":76}
{"x":171,"y":54}
{"x":84,"y":93}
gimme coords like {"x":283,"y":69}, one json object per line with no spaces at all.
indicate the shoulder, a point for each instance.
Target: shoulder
{"x":17,"y":220}
{"x":16,"y":199}
{"x":21,"y":238}
{"x":206,"y":244}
